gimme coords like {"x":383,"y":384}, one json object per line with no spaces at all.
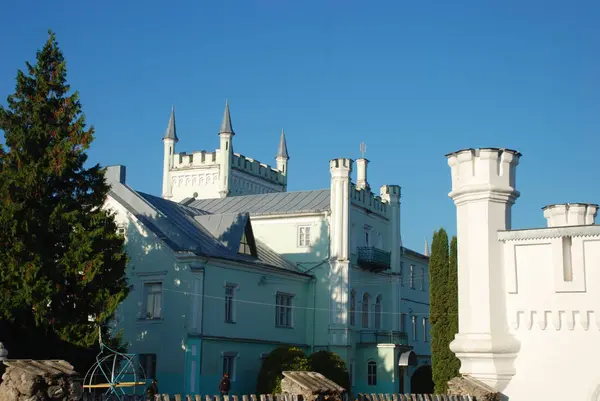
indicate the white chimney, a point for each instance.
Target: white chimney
{"x":570,"y":214}
{"x":361,"y":174}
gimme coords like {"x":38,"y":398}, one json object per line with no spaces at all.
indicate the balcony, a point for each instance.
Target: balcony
{"x":383,"y":337}
{"x":373,"y":259}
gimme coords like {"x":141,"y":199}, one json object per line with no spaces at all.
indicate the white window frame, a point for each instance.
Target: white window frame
{"x":425,"y":329}
{"x":364,"y":311}
{"x":371,"y":375}
{"x":145,"y":295}
{"x":302,"y":234}
{"x":233,"y":357}
{"x":412,"y":277}
{"x":414,"y":327}
{"x":352,"y":308}
{"x":144,"y":359}
{"x":232,"y":306}
{"x":289,"y":308}
{"x":403,"y":322}
{"x":378,"y":312}
{"x":401,"y":273}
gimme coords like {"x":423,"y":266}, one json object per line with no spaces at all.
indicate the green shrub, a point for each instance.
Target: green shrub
{"x":279,"y":360}
{"x":330,"y":365}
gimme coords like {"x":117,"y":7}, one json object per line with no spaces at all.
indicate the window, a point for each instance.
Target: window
{"x":372,"y":373}
{"x":351,"y":374}
{"x":147,"y":366}
{"x":245,"y":248}
{"x":352,"y":308}
{"x":229,"y":303}
{"x":283,"y":311}
{"x":121,"y":229}
{"x":414,"y":327}
{"x":425,"y":329}
{"x":229,"y":364}
{"x":412,"y":277}
{"x":378,"y":312}
{"x":153,"y":299}
{"x":365,"y":310}
{"x":422,"y":279}
{"x":401,"y":273}
{"x":366,"y":238}
{"x":403,"y":322}
{"x":304,"y":236}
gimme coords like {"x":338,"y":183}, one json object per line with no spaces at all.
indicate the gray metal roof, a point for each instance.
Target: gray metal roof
{"x":226,"y":127}
{"x":185,"y":229}
{"x":171,"y":132}
{"x":264,"y":204}
{"x":282,"y":150}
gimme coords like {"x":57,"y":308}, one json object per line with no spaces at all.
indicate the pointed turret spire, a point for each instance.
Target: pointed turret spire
{"x":282,"y":151}
{"x":171,"y":132}
{"x":426,"y":251}
{"x":226,"y":124}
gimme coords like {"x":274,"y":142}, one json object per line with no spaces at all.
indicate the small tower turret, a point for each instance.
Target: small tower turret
{"x":169,"y":141}
{"x":282,"y":158}
{"x":225,"y":152}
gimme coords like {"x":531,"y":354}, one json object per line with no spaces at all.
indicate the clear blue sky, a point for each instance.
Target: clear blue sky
{"x":413,"y":79}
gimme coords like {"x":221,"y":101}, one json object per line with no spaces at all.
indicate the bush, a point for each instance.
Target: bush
{"x":279,"y":360}
{"x":330,"y":365}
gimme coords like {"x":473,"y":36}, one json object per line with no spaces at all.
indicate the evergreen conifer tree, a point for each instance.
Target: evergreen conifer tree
{"x":439,"y":311}
{"x":62,"y":263}
{"x":452,"y":288}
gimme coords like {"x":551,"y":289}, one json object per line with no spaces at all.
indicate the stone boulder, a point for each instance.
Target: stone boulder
{"x":29,"y":380}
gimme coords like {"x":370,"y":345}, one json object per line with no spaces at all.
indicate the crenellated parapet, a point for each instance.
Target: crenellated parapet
{"x":257,"y":169}
{"x":368,"y":200}
{"x":197,"y":159}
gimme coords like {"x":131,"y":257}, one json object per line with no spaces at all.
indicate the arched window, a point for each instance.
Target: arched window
{"x":372,"y":373}
{"x":378,"y":312}
{"x":352,"y":308}
{"x":365,"y":310}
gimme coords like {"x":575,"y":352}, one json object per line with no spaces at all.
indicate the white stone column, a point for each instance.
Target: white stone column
{"x":361,"y":174}
{"x":391,"y":195}
{"x":339,"y":242}
{"x":168,"y":154}
{"x":483,"y":190}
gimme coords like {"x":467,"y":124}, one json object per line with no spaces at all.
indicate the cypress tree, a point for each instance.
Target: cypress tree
{"x":62,"y":263}
{"x":439,"y":310}
{"x":454,"y":362}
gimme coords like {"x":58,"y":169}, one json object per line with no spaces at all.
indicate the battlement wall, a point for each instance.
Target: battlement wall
{"x":366,"y":199}
{"x":257,"y":169}
{"x":196,"y":159}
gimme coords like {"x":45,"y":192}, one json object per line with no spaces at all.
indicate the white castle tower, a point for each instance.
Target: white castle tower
{"x":221,"y":173}
{"x":483,"y":190}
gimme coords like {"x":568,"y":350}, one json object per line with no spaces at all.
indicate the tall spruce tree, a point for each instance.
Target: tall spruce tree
{"x":62,"y":263}
{"x":452,"y":288}
{"x":439,"y":312}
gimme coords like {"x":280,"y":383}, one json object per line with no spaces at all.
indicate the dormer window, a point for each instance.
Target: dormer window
{"x":245,"y":246}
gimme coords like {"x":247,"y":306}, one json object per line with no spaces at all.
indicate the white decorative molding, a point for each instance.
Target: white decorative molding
{"x":551,"y":232}
{"x":546,"y":319}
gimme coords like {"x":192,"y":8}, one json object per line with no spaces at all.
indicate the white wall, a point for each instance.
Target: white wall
{"x":528,"y":299}
{"x":556,"y":321}
{"x":201,"y":180}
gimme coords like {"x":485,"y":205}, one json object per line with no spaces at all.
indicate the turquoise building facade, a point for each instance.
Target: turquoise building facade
{"x":219,"y":282}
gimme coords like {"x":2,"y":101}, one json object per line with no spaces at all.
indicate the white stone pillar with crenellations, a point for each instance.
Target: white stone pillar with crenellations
{"x":339,"y":223}
{"x":391,"y":195}
{"x":483,"y":190}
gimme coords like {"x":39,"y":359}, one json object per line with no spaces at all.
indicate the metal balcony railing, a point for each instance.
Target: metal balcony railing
{"x":373,"y":259}
{"x":383,"y":337}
